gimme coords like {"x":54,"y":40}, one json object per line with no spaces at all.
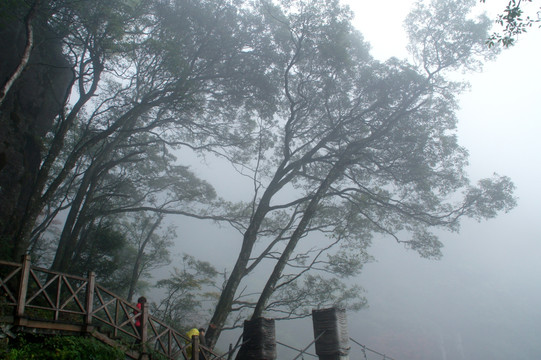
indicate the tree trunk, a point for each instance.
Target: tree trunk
{"x":26,"y":53}
{"x":223,"y":308}
{"x":37,"y":201}
{"x":136,"y":271}
{"x":68,"y":238}
{"x":310,"y":211}
{"x":282,"y":176}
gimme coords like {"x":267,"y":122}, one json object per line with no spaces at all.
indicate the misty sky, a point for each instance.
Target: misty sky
{"x":483,"y":299}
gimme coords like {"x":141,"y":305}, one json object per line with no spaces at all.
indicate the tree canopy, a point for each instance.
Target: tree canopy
{"x":361,"y":147}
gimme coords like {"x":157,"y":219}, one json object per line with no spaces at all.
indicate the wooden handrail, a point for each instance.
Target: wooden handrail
{"x":99,"y":307}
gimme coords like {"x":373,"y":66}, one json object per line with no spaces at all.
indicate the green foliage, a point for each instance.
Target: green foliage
{"x":61,"y":348}
{"x":102,"y":250}
{"x":513,"y":22}
{"x":316,"y":292}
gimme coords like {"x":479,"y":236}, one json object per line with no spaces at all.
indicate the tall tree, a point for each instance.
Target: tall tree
{"x":362,"y":147}
{"x":148,"y":79}
{"x":336,"y":143}
{"x":68,"y":20}
{"x":151,"y":245}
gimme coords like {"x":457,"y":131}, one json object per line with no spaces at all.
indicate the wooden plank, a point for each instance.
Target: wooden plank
{"x":49,"y":325}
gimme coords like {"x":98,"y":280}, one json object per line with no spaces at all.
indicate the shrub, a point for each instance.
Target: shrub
{"x":61,"y":347}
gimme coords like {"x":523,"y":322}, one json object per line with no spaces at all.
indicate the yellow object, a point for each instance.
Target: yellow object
{"x":192,"y":332}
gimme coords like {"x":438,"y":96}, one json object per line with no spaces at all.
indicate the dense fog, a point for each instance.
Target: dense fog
{"x":214,"y":155}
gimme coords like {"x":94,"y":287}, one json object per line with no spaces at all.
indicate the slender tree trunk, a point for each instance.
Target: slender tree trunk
{"x":38,"y":201}
{"x":68,"y":239}
{"x":136,"y":271}
{"x":223,"y":308}
{"x":26,"y":53}
{"x":82,"y":243}
{"x":309,"y":213}
{"x":75,"y":220}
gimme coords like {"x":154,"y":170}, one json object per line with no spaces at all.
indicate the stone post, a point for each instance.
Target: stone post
{"x":258,"y":340}
{"x":331,"y":334}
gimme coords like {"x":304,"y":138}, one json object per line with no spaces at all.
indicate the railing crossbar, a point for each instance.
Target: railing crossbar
{"x":306,"y":348}
{"x":4,"y":283}
{"x":41,"y":288}
{"x":172,"y":341}
{"x":73,"y":295}
{"x":38,"y":307}
{"x":155,"y":331}
{"x":104,"y":305}
{"x":125,"y":313}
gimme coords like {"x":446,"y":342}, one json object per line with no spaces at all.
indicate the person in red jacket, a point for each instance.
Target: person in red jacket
{"x":138,"y":325}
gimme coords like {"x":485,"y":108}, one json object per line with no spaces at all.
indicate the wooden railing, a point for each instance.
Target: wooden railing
{"x":34,"y":297}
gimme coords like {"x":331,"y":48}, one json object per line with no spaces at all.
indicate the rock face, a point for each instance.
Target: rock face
{"x":26,"y":115}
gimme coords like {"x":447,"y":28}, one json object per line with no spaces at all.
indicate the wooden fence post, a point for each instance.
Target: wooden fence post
{"x":144,"y":321}
{"x":90,"y":288}
{"x":195,"y":347}
{"x":23,"y":285}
